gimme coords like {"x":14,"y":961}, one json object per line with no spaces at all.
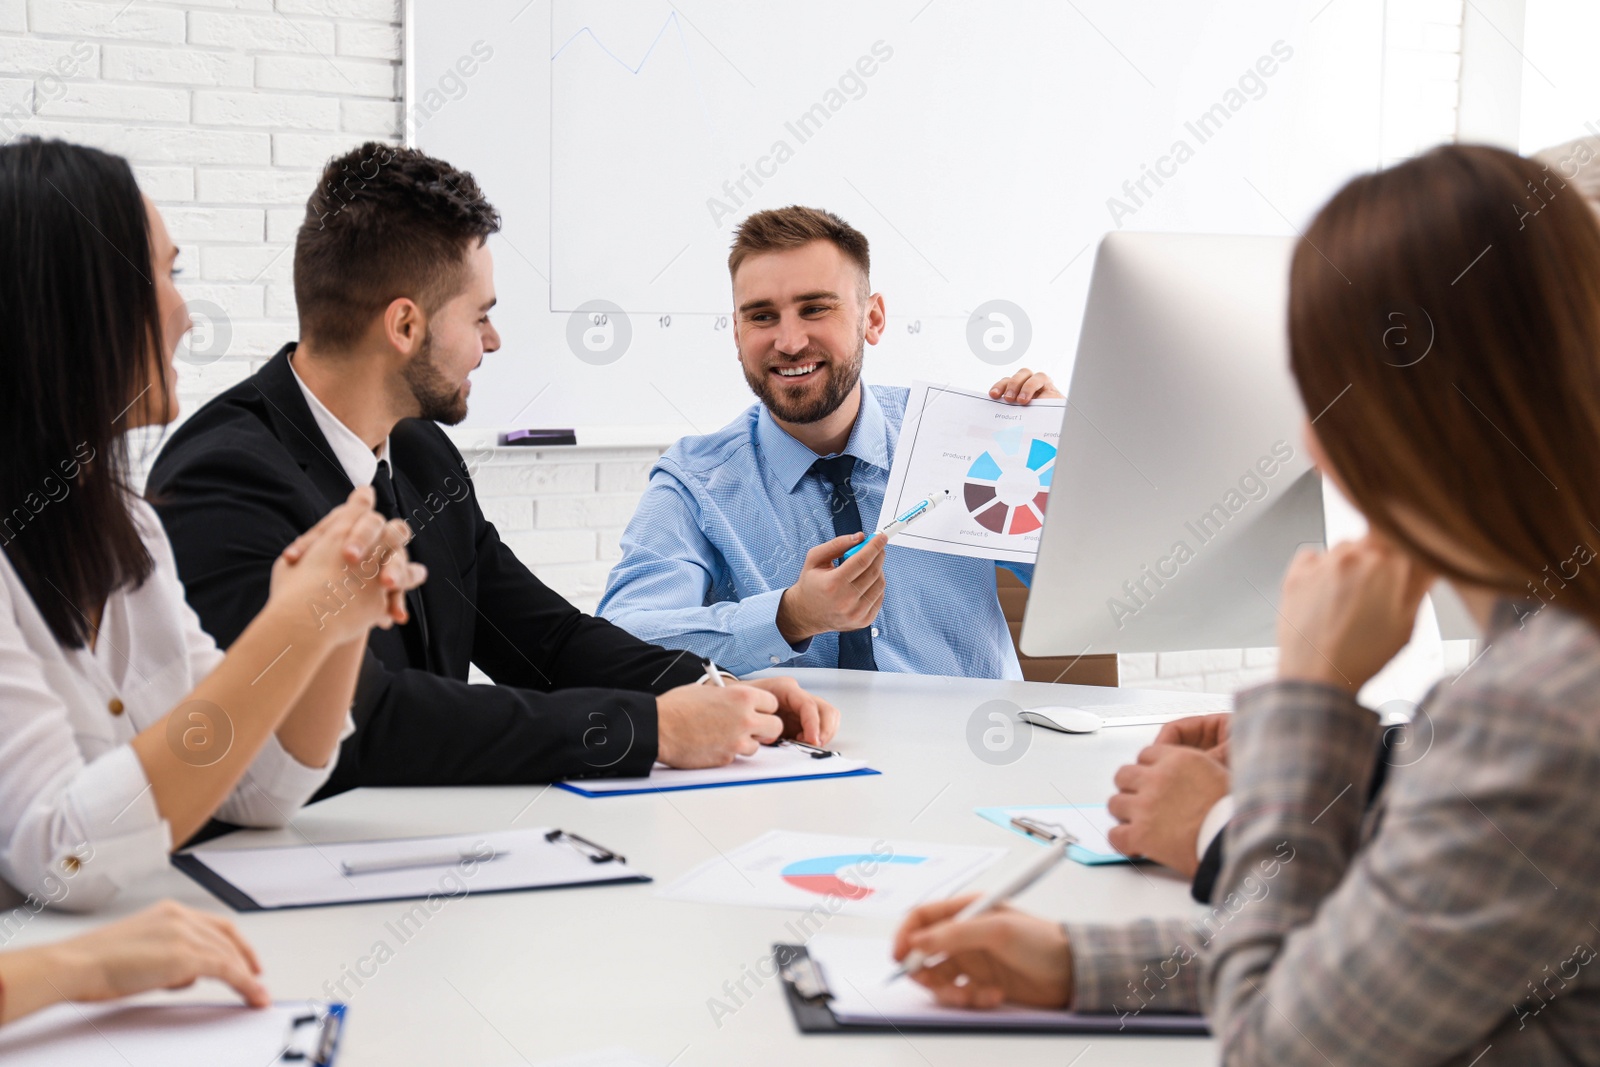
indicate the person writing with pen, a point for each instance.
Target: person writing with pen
{"x":1431,"y":923}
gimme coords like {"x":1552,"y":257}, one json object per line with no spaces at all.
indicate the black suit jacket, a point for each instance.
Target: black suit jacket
{"x":575,"y":695}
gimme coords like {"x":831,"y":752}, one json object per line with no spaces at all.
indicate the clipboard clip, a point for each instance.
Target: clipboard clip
{"x":1044,"y":831}
{"x":324,"y":1037}
{"x":596,"y":853}
{"x":816,"y":752}
{"x":797,"y":968}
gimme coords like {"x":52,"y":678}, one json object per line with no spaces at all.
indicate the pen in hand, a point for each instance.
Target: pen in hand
{"x":916,"y":961}
{"x":714,"y":677}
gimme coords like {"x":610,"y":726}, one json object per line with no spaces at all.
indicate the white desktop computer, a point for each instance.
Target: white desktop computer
{"x":1183,"y":488}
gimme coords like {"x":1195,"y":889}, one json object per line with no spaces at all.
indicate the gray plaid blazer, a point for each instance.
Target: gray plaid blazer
{"x":1455,"y":920}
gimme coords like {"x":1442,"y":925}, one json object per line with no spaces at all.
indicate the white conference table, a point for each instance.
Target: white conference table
{"x":520,"y":978}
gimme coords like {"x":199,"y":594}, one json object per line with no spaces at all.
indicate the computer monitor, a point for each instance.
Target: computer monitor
{"x":1183,"y":488}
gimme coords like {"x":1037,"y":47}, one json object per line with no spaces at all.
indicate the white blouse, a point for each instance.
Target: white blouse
{"x":78,"y":821}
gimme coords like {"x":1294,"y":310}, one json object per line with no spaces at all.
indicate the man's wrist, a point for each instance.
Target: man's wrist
{"x":788,"y":627}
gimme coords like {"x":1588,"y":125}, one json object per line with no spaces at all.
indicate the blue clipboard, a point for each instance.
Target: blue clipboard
{"x":1001,"y":817}
{"x":332,"y":1028}
{"x":645,"y":786}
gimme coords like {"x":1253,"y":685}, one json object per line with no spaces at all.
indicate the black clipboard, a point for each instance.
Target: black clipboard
{"x":806,"y":990}
{"x":239,"y":900}
{"x":214,"y":883}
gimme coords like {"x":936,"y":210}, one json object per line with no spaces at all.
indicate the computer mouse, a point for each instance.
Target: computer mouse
{"x":1066,"y":720}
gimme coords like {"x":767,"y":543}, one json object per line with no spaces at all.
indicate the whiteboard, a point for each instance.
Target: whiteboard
{"x":983,"y":147}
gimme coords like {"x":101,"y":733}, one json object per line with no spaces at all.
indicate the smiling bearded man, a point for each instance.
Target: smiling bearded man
{"x":731,"y":553}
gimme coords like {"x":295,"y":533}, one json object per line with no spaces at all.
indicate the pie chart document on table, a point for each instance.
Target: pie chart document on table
{"x":998,"y":459}
{"x":846,"y":875}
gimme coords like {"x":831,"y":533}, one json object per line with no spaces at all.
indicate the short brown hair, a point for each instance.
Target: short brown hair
{"x":790,"y":227}
{"x":385,"y":222}
{"x":1486,"y":421}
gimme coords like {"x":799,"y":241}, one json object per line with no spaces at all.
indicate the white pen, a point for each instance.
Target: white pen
{"x":916,"y":961}
{"x":906,"y":518}
{"x":442,"y":858}
{"x":713,"y":675}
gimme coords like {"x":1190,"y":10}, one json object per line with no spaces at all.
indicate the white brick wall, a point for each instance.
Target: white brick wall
{"x":228,"y":108}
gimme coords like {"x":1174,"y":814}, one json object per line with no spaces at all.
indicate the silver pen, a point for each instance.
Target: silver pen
{"x":440,"y":858}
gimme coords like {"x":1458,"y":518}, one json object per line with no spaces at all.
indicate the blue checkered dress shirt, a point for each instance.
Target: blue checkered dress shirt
{"x":726,"y":523}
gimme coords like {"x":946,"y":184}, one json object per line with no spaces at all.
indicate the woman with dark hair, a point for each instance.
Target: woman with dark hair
{"x":123,"y":728}
{"x":1452,"y":917}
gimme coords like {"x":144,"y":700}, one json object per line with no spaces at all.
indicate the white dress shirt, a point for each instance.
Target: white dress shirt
{"x":1214,"y":823}
{"x":360,"y":463}
{"x":78,"y":821}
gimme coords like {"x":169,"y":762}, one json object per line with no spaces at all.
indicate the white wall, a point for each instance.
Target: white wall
{"x":228,"y":108}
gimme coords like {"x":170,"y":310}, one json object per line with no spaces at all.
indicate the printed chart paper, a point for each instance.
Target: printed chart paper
{"x":846,"y":875}
{"x":998,"y":460}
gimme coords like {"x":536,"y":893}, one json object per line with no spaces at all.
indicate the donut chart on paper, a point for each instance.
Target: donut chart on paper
{"x":1008,"y":487}
{"x":820,"y":875}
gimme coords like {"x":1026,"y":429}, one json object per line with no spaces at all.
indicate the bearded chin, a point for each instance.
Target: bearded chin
{"x":437,"y":400}
{"x":782,"y":401}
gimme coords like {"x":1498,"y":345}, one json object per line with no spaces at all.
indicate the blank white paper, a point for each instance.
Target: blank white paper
{"x":301,"y":875}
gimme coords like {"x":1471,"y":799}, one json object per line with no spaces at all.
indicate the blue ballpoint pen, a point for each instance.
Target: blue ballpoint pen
{"x":906,"y":518}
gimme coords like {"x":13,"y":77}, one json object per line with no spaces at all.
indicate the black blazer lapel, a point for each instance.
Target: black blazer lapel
{"x":292,"y":423}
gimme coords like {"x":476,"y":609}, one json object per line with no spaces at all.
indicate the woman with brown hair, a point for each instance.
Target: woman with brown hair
{"x":1452,"y":919}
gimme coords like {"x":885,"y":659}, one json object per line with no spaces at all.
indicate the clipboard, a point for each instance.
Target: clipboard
{"x":1087,"y":822}
{"x":309,"y":876}
{"x":295,"y":1033}
{"x":810,"y":1001}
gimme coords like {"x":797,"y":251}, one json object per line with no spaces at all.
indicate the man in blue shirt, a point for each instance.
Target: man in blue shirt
{"x":731,"y":552}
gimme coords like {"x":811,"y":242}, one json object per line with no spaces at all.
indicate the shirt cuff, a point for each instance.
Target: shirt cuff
{"x":276,"y":784}
{"x":757,"y":641}
{"x":1214,"y":823}
{"x":123,"y":838}
{"x":1144,"y":966}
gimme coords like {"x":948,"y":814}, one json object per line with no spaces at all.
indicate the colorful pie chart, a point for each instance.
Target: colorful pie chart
{"x":1008,"y":487}
{"x":820,"y":874}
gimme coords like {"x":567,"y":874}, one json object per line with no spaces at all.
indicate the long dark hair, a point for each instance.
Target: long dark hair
{"x":1444,"y":328}
{"x":80,"y":335}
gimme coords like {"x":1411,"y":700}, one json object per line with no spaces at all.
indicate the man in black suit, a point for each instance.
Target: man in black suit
{"x":394,"y":282}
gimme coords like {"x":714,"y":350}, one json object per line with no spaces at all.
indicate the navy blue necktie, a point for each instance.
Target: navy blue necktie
{"x":855,"y":646}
